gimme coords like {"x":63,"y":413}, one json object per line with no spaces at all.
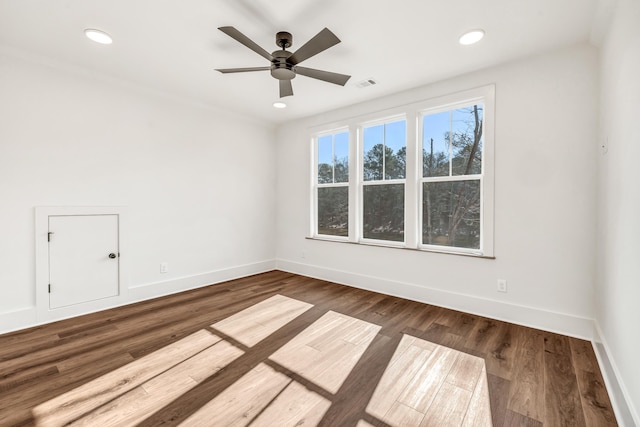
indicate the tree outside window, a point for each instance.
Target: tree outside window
{"x":451,"y":184}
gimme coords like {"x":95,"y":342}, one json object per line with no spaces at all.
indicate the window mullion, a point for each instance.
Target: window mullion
{"x":384,"y":151}
{"x":411,"y":206}
{"x":450,"y":144}
{"x":355,"y":171}
{"x":333,"y":158}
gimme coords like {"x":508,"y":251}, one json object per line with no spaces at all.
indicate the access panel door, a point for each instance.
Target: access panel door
{"x":83,"y":259}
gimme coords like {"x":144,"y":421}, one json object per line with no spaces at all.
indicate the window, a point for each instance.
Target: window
{"x":452,"y":177}
{"x":421,"y":176}
{"x":384,"y":168}
{"x":332,"y":185}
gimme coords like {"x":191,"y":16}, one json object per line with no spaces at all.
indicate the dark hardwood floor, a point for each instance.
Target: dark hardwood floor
{"x":534,"y":377}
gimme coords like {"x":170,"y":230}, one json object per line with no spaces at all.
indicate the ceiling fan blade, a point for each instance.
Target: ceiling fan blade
{"x":286,"y":89}
{"x":320,"y":42}
{"x":241,"y":70}
{"x":241,"y":38}
{"x":327,"y":76}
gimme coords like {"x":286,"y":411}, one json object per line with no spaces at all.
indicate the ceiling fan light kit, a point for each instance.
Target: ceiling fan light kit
{"x":284,"y":64}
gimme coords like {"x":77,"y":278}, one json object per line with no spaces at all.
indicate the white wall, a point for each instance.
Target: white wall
{"x":198,"y":182}
{"x":546,"y":123}
{"x":618,"y":278}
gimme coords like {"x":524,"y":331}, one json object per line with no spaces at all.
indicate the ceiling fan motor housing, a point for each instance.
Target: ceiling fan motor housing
{"x":280,"y":68}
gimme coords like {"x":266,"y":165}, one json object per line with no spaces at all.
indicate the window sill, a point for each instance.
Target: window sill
{"x":391,"y":246}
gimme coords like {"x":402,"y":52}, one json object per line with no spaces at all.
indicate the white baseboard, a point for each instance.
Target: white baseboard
{"x":168,"y":287}
{"x":27,"y":317}
{"x":626,"y":414}
{"x":15,"y":320}
{"x":561,"y":323}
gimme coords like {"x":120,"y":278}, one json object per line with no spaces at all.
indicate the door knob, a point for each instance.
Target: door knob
{"x":112,"y":255}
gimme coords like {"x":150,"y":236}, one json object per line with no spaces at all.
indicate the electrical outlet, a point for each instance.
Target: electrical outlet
{"x":164,"y":267}
{"x":502,"y":285}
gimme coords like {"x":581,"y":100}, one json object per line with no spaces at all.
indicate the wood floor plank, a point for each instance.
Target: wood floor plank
{"x":498,"y":391}
{"x":479,"y":410}
{"x":462,"y":323}
{"x":500,"y":358}
{"x":11,"y":349}
{"x":563,"y":405}
{"x":449,"y":407}
{"x":466,"y":371}
{"x":17,"y":379}
{"x":483,"y":334}
{"x":400,"y":414}
{"x":514,"y":419}
{"x":526,"y":396}
{"x":595,"y":400}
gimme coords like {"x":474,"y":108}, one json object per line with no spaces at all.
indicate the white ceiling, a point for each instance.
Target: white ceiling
{"x":174,"y":46}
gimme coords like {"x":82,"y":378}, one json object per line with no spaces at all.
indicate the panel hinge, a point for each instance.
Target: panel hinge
{"x":49,"y":287}
{"x":49,"y":236}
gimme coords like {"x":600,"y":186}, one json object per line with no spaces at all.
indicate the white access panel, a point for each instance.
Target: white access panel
{"x":83,"y":259}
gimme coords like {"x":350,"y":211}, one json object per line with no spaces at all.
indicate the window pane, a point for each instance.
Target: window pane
{"x":373,"y":149}
{"x":333,"y":211}
{"x":341,"y":157}
{"x":451,"y":214}
{"x":325,"y":164}
{"x":466,"y":137}
{"x":395,"y":142}
{"x":383,"y":212}
{"x":435,"y":144}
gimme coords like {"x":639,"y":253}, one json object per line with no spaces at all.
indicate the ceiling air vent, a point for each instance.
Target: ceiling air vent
{"x":365,"y":83}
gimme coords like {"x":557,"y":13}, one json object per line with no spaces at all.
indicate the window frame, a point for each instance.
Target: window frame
{"x":450,"y":178}
{"x":413,"y":114}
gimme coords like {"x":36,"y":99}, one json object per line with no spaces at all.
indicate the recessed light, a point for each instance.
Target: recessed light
{"x":98,"y":36}
{"x":280,"y":105}
{"x":471,"y":37}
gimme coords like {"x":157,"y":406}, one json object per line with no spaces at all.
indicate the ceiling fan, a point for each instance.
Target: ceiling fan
{"x":284,"y":64}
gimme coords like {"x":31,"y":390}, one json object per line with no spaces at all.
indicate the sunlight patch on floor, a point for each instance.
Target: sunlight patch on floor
{"x":253,"y":324}
{"x":326,"y":352}
{"x":269,"y":397}
{"x":131,"y":391}
{"x":426,"y":384}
